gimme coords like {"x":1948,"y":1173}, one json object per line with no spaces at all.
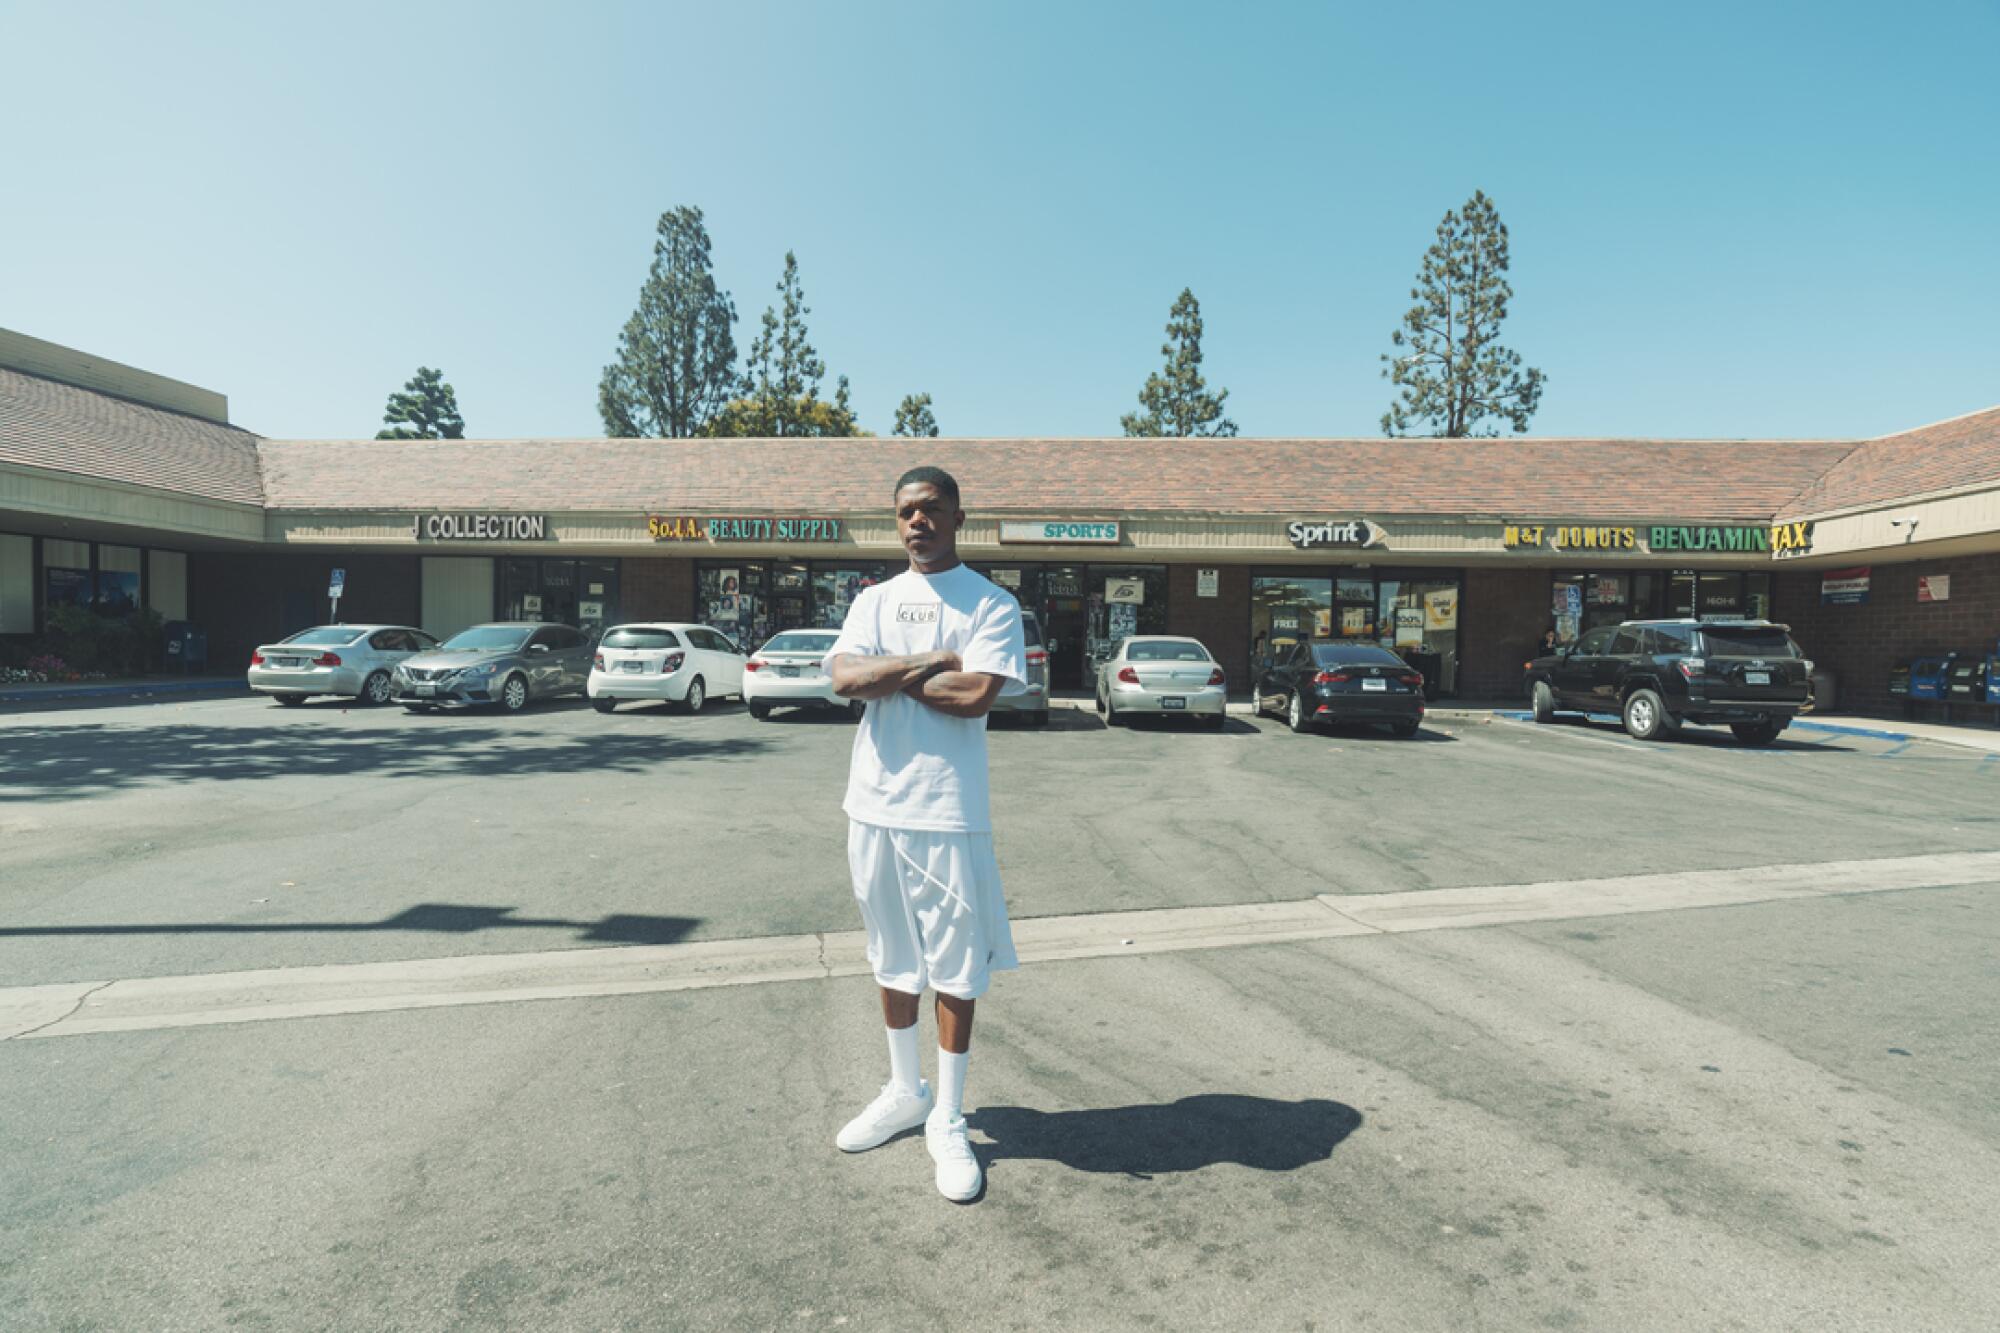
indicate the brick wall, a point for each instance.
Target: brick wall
{"x":1221,"y":622}
{"x":245,"y":598}
{"x":656,"y":588}
{"x":1860,"y":643}
{"x":1501,"y":617}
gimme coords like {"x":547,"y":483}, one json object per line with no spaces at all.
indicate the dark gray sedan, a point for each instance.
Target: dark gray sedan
{"x":506,"y":664}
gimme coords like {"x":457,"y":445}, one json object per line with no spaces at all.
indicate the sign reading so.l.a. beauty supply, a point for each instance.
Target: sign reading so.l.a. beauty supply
{"x":700,"y":528}
{"x":1058,"y":532}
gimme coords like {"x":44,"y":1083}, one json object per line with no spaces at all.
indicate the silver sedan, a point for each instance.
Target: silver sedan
{"x":1164,"y":674}
{"x":350,"y":660}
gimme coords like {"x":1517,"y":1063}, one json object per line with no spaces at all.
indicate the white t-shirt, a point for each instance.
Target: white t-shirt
{"x":913,"y":766}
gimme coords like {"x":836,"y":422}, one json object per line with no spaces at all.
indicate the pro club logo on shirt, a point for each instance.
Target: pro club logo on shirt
{"x":919,"y":613}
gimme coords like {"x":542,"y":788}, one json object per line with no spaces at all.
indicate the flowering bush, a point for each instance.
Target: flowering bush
{"x":48,"y":669}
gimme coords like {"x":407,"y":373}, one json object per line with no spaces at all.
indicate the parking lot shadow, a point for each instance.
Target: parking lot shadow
{"x":422,"y":919}
{"x":48,"y":763}
{"x":1187,"y":1135}
{"x":1231,"y":725}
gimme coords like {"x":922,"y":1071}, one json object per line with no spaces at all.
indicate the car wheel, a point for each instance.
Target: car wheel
{"x":697,"y":695}
{"x":761,"y":712}
{"x":1101,"y":706}
{"x":604,"y":705}
{"x":514,"y":694}
{"x":1405,"y":728}
{"x":1756,"y":733}
{"x":290,"y":700}
{"x":858,"y":708}
{"x":1543,"y":700}
{"x":1295,"y":716}
{"x":1646,"y":716}
{"x":375,"y":690}
{"x":1111,"y":718}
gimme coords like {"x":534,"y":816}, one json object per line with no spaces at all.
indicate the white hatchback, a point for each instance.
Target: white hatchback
{"x":683,"y":664}
{"x":790,"y":671}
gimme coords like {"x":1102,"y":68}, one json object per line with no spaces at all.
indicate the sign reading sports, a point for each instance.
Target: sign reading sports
{"x":1058,"y":532}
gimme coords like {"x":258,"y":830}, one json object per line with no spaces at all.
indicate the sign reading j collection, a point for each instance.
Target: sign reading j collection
{"x":1349,"y":533}
{"x":1058,"y":532}
{"x":481,"y":527}
{"x":684,"y":528}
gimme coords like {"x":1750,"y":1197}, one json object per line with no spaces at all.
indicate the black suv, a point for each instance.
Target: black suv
{"x":1657,"y":674}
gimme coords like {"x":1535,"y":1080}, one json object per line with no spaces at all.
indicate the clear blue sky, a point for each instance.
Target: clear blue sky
{"x":1727,"y":219}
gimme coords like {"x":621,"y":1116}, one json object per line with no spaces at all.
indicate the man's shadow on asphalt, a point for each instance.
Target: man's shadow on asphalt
{"x":1194,"y":1132}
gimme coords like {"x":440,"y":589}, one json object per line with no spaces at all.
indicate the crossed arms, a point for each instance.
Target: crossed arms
{"x":934,"y":679}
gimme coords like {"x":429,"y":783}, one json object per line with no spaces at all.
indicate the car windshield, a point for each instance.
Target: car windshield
{"x":1747,"y":641}
{"x":1166,"y":650}
{"x":326,"y":636}
{"x":1354,"y":654}
{"x":640,"y":636}
{"x":801,"y":643}
{"x":486,"y":639}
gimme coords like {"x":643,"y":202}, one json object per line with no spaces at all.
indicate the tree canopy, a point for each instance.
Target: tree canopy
{"x":778,"y":394}
{"x":915,"y":418}
{"x":426,"y":409}
{"x":1176,"y":401}
{"x":1456,"y":378}
{"x":676,"y":360}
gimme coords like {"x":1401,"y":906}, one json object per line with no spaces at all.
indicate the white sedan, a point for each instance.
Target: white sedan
{"x":682,"y":664}
{"x":1162,"y":674}
{"x":790,"y":671}
{"x":351,"y":660}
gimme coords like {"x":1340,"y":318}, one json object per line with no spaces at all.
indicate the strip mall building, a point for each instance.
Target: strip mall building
{"x":120,"y":489}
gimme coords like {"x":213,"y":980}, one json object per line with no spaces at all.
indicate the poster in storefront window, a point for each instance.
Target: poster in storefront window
{"x":1124,"y":621}
{"x":1353,"y":621}
{"x":1322,"y":623}
{"x":1409,"y":627}
{"x":66,"y":587}
{"x":1354,"y":590}
{"x":1008,"y":578}
{"x":117,"y":591}
{"x":724,"y":608}
{"x":1441,"y":609}
{"x":1130,"y":592}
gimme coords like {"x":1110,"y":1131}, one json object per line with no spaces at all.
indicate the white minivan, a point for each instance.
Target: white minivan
{"x":683,"y":664}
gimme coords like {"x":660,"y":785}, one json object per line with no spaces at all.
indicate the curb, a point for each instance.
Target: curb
{"x":137,"y":691}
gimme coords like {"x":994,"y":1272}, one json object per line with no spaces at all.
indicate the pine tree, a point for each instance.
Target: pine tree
{"x":914,"y":417}
{"x":427,"y":409}
{"x":1177,"y":402}
{"x":1456,"y":377}
{"x":676,"y":365}
{"x":778,"y":394}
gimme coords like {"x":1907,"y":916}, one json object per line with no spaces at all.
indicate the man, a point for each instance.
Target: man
{"x":930,"y":650}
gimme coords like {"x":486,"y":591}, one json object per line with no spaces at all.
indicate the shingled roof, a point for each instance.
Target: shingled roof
{"x":1607,"y":480}
{"x":47,"y":424}
{"x":1951,"y":455}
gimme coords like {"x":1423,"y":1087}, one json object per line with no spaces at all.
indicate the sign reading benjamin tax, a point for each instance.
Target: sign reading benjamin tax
{"x":689,"y":528}
{"x":1339,"y":533}
{"x":481,"y":527}
{"x":1058,"y":532}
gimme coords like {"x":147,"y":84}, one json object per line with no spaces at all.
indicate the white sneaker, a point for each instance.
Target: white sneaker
{"x":958,"y":1174}
{"x":894,"y":1110}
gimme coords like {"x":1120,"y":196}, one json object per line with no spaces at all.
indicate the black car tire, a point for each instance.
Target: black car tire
{"x":761,"y":712}
{"x":1102,"y":707}
{"x":1295,"y":714}
{"x":1646,"y":717}
{"x":513,"y":694}
{"x":290,"y":700}
{"x":1405,"y":728}
{"x":697,"y":695}
{"x":1757,"y":733}
{"x":375,"y":691}
{"x":1543,"y":700}
{"x":604,"y":705}
{"x":1111,"y":718}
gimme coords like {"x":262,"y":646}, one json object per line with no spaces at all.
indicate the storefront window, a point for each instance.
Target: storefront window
{"x":65,"y":574}
{"x":582,"y":593}
{"x":1085,"y":610}
{"x":1284,"y":609}
{"x":836,"y":586}
{"x":1418,"y":620}
{"x":117,"y":584}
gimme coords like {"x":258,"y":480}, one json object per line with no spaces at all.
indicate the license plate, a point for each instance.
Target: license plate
{"x":284,"y":662}
{"x":631,"y":668}
{"x":1756,"y":678}
{"x":1173,"y":701}
{"x":788,"y":672}
{"x":1376,"y":686}
{"x":425,"y":689}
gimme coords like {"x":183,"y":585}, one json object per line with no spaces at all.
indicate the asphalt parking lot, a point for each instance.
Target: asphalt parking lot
{"x":1764,"y":1114}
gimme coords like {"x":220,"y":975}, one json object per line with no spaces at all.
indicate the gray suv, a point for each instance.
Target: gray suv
{"x":1034,"y":704}
{"x":505,"y":664}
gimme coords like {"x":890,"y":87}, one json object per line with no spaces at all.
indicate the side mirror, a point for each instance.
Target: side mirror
{"x":538,"y":647}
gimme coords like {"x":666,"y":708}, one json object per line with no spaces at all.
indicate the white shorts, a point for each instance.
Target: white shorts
{"x":933,"y":907}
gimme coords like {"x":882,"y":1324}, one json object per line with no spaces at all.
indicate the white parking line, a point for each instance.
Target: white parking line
{"x":80,"y":1008}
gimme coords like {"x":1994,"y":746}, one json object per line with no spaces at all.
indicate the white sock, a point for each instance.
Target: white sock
{"x":903,"y":1070}
{"x":951,"y":1084}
